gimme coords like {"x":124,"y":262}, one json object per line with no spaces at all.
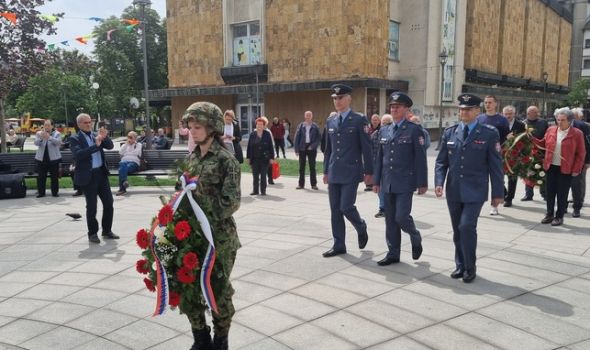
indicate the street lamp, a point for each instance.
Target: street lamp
{"x":142,"y":4}
{"x":545,"y":76}
{"x":442,"y":58}
{"x":95,"y":87}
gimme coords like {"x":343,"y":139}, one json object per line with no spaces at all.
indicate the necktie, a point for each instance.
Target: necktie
{"x":465,"y":132}
{"x":339,"y":120}
{"x":395,"y":127}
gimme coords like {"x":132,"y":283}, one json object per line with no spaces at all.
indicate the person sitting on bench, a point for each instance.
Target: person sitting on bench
{"x":130,"y":159}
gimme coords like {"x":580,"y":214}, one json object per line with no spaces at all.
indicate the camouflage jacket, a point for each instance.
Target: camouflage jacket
{"x":218,"y":191}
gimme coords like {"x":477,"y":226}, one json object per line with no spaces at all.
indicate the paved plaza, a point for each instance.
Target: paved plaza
{"x":57,"y":291}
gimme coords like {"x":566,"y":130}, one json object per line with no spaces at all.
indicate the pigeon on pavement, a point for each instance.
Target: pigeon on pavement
{"x":74,"y":216}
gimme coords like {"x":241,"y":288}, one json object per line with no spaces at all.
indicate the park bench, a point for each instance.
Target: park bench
{"x":19,"y":144}
{"x":160,"y":162}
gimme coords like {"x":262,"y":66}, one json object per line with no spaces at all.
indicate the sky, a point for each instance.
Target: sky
{"x":75,"y":22}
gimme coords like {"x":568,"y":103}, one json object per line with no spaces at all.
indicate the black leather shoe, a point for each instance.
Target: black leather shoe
{"x":55,"y":195}
{"x":576,"y":213}
{"x":507,"y":203}
{"x":109,"y":235}
{"x":468,"y":276}
{"x":557,"y":222}
{"x":458,"y":273}
{"x":314,"y":188}
{"x":93,"y":239}
{"x":547,"y":219}
{"x":416,"y":252}
{"x":333,"y":252}
{"x":40,"y":195}
{"x":77,"y":193}
{"x":202,"y":338}
{"x":363,"y":236}
{"x":254,"y":194}
{"x":526,"y":199}
{"x":388,"y":260}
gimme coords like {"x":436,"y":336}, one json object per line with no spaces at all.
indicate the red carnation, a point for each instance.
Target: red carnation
{"x":190,"y":260}
{"x":142,"y":266}
{"x":526,"y":160}
{"x":519,"y":146}
{"x":534,"y":151}
{"x":514,"y":153}
{"x":174,"y":299}
{"x":182,"y":230}
{"x":149,"y":284}
{"x":185,"y":275}
{"x":165,"y":215}
{"x":142,"y":239}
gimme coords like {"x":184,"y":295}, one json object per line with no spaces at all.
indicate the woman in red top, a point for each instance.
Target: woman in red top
{"x":564,"y":158}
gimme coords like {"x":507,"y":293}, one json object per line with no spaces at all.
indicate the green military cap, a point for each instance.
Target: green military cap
{"x":205,"y":113}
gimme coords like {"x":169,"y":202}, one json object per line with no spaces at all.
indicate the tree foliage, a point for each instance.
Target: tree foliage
{"x":18,"y":58}
{"x":578,"y":95}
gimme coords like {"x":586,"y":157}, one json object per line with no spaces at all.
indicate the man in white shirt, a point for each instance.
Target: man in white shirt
{"x":131,"y":153}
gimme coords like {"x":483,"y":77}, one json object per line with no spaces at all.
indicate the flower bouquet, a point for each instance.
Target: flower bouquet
{"x":179,"y":252}
{"x":523,"y":158}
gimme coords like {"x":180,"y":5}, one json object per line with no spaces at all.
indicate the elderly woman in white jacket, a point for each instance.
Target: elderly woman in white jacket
{"x":48,"y":158}
{"x":131,"y":153}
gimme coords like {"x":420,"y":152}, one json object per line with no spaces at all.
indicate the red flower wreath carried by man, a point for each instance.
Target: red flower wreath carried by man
{"x":523,"y":158}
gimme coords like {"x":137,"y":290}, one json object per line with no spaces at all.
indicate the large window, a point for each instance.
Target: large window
{"x":246,"y":44}
{"x":586,"y":63}
{"x":587,"y":44}
{"x":393,"y":40}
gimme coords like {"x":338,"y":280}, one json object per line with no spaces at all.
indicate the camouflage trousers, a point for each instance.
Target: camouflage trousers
{"x":225,"y":306}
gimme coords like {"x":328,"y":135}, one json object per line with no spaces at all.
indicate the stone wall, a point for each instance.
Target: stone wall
{"x":521,"y":38}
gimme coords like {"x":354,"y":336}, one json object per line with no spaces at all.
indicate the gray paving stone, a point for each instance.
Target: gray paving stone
{"x":27,"y":276}
{"x":95,"y":297}
{"x":354,"y":329}
{"x":265,"y":344}
{"x":421,"y":305}
{"x":181,"y":341}
{"x":134,"y":305}
{"x":120,"y":283}
{"x":59,"y":338}
{"x":273,"y":280}
{"x":328,"y":295}
{"x":451,"y":293}
{"x":541,"y":262}
{"x":141,"y":334}
{"x":9,"y":289}
{"x":265,"y":320}
{"x":46,"y":264}
{"x":100,"y":344}
{"x":82,"y":279}
{"x":298,"y":306}
{"x":355,"y":284}
{"x":400,"y":343}
{"x":20,"y":307}
{"x":171,"y":319}
{"x":60,"y":313}
{"x":308,"y":336}
{"x":253,"y":292}
{"x":49,"y":292}
{"x":241,"y":336}
{"x":585,"y":345}
{"x":540,"y":324}
{"x":441,"y":336}
{"x":19,"y":331}
{"x":499,"y":334}
{"x":5,"y":320}
{"x":101,"y":322}
{"x":392,"y":317}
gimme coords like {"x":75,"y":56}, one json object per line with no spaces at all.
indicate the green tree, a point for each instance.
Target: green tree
{"x":18,"y":43}
{"x":578,"y":95}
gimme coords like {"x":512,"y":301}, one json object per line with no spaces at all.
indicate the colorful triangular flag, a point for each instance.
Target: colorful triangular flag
{"x":65,"y":43}
{"x":82,"y":40}
{"x":97,"y":19}
{"x":49,"y":18}
{"x":9,"y":16}
{"x":132,"y":21}
{"x":109,"y":34}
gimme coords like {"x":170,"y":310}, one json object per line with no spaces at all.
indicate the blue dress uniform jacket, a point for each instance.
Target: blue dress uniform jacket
{"x":400,"y":165}
{"x":468,"y":164}
{"x":347,"y":157}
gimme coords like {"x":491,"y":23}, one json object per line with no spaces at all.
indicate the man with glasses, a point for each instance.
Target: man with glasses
{"x":92,"y":175}
{"x":469,"y":158}
{"x":130,"y":153}
{"x":347,"y":161}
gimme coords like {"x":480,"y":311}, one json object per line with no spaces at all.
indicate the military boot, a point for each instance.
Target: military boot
{"x":220,"y":342}
{"x":202,"y":339}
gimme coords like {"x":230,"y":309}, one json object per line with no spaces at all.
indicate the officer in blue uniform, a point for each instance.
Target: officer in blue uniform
{"x":468,"y":160}
{"x":400,"y":168}
{"x":347,"y":161}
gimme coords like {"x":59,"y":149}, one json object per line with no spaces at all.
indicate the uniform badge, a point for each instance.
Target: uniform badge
{"x":421,"y":140}
{"x":337,"y":90}
{"x":498,"y":147}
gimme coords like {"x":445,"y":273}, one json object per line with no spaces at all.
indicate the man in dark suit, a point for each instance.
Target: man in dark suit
{"x":516,"y":127}
{"x":539,"y":127}
{"x":579,"y":182}
{"x":400,"y":168}
{"x":347,"y":161}
{"x":307,"y":139}
{"x":91,"y":175}
{"x":469,"y":158}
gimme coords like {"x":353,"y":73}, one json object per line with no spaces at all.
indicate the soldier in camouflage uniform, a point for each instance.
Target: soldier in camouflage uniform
{"x":218,"y":194}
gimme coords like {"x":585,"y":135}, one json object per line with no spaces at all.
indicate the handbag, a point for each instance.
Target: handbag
{"x":143,"y":164}
{"x":276,"y":170}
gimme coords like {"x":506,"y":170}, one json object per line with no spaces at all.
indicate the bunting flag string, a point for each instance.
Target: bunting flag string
{"x":9,"y":16}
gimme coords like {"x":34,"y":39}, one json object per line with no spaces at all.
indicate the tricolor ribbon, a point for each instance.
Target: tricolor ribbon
{"x":161,"y":278}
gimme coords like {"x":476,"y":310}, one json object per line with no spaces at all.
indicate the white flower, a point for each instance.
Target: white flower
{"x":537,"y":166}
{"x":542,"y":173}
{"x":160,"y":237}
{"x":540,"y":182}
{"x":154,"y":266}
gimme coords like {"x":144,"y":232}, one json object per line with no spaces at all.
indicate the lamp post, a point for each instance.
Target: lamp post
{"x":545,"y":76}
{"x":95,"y":86}
{"x":142,"y":4}
{"x":442,"y":58}
{"x":63,"y":86}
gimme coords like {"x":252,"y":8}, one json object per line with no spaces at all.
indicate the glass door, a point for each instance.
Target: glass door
{"x":247,"y":115}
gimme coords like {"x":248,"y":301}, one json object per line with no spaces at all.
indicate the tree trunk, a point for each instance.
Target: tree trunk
{"x":2,"y":129}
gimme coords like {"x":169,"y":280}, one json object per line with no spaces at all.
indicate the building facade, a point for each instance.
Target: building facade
{"x":279,"y":58}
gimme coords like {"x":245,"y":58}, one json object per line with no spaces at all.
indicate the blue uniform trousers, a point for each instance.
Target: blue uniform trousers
{"x":464,"y":221}
{"x":397,"y":218}
{"x":342,"y":199}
